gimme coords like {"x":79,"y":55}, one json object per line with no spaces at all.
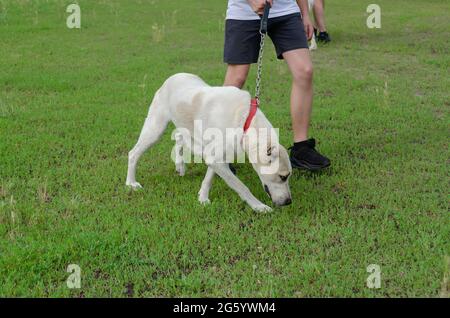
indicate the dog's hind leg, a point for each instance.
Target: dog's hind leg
{"x":223,"y":170}
{"x":154,"y":126}
{"x":203,"y":194}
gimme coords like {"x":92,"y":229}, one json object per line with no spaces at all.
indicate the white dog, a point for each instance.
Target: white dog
{"x":186,"y":100}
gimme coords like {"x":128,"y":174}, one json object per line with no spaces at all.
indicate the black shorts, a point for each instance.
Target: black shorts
{"x":242,"y":38}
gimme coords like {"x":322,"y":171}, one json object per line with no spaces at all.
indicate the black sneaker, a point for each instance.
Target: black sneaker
{"x":324,"y":37}
{"x":305,"y":156}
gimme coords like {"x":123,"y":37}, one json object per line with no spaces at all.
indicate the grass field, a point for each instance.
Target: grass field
{"x":72,"y":103}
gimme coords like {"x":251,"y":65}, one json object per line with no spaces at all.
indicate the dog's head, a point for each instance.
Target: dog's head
{"x":274,"y":171}
{"x":271,"y":161}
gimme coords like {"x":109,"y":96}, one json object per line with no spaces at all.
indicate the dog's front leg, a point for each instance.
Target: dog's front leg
{"x":203,"y":194}
{"x":223,"y":170}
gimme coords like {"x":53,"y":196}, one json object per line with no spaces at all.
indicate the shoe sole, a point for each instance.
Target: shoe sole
{"x":299,"y":164}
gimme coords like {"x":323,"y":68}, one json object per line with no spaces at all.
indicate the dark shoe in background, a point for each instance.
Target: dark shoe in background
{"x":305,"y":156}
{"x":324,"y":37}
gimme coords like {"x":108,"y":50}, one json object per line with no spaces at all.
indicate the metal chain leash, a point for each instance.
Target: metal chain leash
{"x":259,"y":70}
{"x":263,"y":32}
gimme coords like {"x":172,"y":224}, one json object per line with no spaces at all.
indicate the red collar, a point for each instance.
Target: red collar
{"x":253,"y":108}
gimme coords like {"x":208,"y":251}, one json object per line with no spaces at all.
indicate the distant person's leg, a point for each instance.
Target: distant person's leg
{"x":319,"y":16}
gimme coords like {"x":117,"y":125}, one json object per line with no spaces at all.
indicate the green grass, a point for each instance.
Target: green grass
{"x":72,"y":103}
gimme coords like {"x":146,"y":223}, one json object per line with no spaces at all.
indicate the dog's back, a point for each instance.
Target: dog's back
{"x":187,"y":98}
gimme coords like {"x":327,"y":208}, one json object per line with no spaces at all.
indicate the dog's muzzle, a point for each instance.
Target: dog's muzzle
{"x":287,"y":201}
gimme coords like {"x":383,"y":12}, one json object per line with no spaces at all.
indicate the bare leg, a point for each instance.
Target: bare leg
{"x":300,"y":65}
{"x":319,"y":15}
{"x":236,"y":75}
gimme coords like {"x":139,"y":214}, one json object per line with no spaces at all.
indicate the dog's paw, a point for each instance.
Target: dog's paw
{"x":134,"y":185}
{"x":203,"y":200}
{"x":181,"y":169}
{"x":262,"y":208}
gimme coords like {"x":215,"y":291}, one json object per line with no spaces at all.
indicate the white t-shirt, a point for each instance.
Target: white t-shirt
{"x":241,"y":9}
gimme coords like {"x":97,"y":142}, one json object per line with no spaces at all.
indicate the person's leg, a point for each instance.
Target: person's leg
{"x":303,"y":154}
{"x":300,"y":65}
{"x":241,"y":49}
{"x":319,"y":15}
{"x":236,"y":75}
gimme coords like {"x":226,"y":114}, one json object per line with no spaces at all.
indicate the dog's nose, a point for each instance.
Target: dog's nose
{"x":288,"y":201}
